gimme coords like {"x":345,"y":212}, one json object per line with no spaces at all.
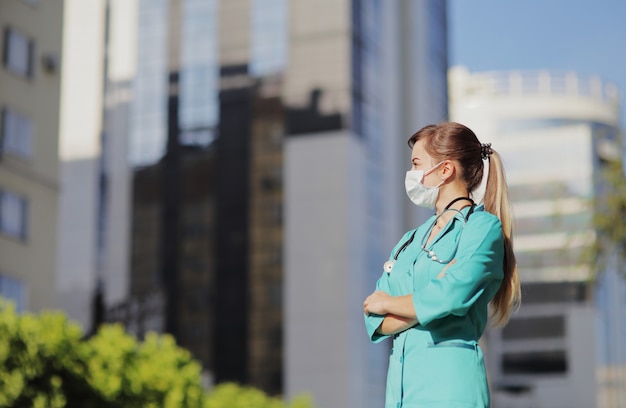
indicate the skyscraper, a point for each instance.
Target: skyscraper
{"x":305,"y":108}
{"x":362,"y":77}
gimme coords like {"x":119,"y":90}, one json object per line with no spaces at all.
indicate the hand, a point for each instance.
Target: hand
{"x":376,"y":303}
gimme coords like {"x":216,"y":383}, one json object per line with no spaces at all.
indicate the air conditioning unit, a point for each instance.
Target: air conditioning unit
{"x":50,"y":63}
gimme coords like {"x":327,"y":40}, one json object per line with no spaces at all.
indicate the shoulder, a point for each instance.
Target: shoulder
{"x":482,"y":223}
{"x":414,"y":232}
{"x":482,"y":232}
{"x":422,"y":227}
{"x":403,"y":240}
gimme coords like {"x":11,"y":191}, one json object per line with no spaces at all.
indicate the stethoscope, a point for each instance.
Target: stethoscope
{"x":388,"y":266}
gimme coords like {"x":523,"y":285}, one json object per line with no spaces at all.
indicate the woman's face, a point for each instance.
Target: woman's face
{"x":421,"y":160}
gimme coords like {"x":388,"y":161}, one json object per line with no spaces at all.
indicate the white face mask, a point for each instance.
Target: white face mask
{"x":418,"y":192}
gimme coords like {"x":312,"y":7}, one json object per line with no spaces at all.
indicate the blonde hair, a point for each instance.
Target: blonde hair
{"x":497,"y":202}
{"x":454,"y":141}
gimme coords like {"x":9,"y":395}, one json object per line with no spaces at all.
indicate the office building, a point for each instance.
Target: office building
{"x":195,"y":82}
{"x":362,"y":77}
{"x":555,"y":131}
{"x":301,"y":111}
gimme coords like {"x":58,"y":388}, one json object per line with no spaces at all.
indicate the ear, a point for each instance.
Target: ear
{"x":448,"y":169}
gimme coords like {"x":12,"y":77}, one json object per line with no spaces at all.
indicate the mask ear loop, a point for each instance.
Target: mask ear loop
{"x":426,"y":173}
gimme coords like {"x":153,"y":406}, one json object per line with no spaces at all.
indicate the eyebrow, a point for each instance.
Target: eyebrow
{"x":415,"y":158}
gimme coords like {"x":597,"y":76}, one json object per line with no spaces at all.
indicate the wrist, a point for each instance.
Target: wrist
{"x":388,"y":304}
{"x":400,"y":306}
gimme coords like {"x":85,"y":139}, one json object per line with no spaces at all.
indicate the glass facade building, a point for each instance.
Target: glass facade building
{"x":298,"y":113}
{"x":148,"y":134}
{"x":199,"y":74}
{"x":269,"y":36}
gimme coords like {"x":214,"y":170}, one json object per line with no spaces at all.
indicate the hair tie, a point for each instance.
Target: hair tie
{"x":485,"y":150}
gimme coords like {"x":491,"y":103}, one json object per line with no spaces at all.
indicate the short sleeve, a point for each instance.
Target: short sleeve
{"x":373,"y":321}
{"x":479,"y":262}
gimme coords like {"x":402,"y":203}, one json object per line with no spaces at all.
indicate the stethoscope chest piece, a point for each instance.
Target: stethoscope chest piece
{"x":431,"y":255}
{"x":388,"y":266}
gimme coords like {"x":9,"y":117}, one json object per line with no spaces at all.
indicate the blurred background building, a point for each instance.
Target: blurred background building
{"x":63,"y":181}
{"x":362,"y":76}
{"x":555,"y":132}
{"x":63,"y":65}
{"x":294,"y":128}
{"x":30,"y":165}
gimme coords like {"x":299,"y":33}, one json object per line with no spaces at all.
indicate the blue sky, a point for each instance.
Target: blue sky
{"x":585,"y":36}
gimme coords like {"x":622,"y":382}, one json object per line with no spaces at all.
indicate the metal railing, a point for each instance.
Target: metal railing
{"x":541,"y":82}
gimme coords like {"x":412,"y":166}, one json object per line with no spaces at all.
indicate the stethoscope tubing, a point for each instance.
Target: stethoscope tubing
{"x":389,"y":264}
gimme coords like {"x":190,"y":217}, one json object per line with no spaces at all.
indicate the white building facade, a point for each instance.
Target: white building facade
{"x":554,"y":131}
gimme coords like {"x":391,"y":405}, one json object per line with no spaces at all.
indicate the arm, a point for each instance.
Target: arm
{"x":375,"y":325}
{"x":478,"y":265}
{"x":393,"y":324}
{"x":382,"y":303}
{"x":374,"y":321}
{"x":398,"y":312}
{"x":402,"y":307}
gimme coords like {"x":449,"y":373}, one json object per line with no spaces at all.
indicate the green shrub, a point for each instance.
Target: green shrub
{"x":45,"y":363}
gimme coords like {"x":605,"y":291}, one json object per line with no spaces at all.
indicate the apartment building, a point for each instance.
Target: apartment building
{"x":30,"y":187}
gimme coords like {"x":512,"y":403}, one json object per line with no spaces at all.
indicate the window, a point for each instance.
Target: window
{"x":16,"y":134}
{"x":537,"y":362}
{"x":18,"y":53}
{"x":13,"y":214}
{"x":269,"y":38}
{"x":535,"y":327}
{"x":14,"y":291}
{"x":199,"y":74}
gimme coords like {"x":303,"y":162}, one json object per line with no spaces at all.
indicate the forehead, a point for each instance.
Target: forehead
{"x":419,"y":152}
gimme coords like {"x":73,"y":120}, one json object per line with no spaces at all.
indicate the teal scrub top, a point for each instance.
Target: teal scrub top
{"x":438,"y":362}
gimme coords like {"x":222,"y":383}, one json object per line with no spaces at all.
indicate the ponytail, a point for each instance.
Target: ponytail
{"x":497,"y":203}
{"x":455,"y":141}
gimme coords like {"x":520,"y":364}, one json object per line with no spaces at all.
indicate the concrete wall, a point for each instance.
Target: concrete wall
{"x":324,"y":334}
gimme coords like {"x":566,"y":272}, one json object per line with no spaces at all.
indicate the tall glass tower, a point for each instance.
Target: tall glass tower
{"x":300,"y":112}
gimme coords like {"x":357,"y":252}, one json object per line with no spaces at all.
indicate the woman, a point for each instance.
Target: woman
{"x":435,"y":291}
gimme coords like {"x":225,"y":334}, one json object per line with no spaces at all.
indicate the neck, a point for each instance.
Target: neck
{"x":445,"y":197}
